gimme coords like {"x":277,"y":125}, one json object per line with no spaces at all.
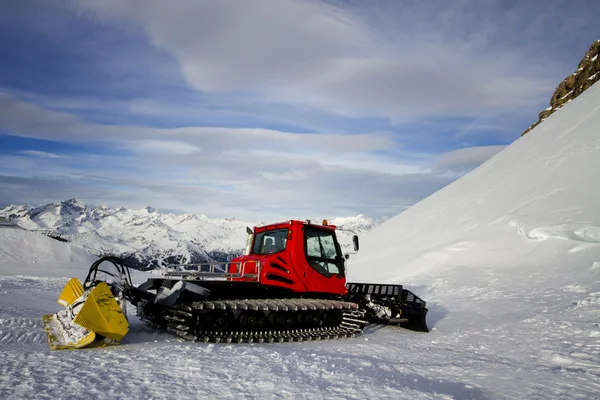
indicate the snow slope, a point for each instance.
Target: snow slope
{"x":31,"y":253}
{"x":508,"y":258}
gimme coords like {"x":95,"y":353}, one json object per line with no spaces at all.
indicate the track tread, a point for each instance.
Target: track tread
{"x":182,"y":320}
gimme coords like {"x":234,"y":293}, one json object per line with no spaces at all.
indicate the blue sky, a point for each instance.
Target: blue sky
{"x":260,"y":109}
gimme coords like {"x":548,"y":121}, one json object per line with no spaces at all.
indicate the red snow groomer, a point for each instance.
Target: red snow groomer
{"x":290,"y":285}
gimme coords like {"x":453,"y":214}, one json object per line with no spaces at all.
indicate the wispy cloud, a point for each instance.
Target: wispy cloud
{"x":160,"y":147}
{"x":213,"y":169}
{"x":29,"y":120}
{"x":37,"y":153}
{"x":330,"y":57}
{"x":464,"y":160}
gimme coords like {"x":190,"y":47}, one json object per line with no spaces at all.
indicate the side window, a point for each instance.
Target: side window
{"x":313,"y":247}
{"x":269,"y":242}
{"x":328,"y":247}
{"x":321,"y":252}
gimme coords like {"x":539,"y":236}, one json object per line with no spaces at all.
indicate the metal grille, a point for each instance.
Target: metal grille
{"x":391,"y":291}
{"x":376,"y":289}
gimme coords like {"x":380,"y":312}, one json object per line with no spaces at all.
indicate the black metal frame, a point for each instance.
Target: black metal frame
{"x":398,"y":299}
{"x":119,"y":265}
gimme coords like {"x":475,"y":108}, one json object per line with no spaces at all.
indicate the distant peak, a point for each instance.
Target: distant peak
{"x":360,"y":217}
{"x":74,"y":202}
{"x":149,"y":209}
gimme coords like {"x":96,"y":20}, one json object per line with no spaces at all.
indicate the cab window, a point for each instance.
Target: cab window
{"x":269,"y":242}
{"x":322,"y":252}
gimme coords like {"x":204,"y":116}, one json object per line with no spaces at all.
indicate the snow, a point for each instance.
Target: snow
{"x":569,"y":93}
{"x":595,"y":57}
{"x":31,"y":253}
{"x":61,"y":327}
{"x":507,"y":257}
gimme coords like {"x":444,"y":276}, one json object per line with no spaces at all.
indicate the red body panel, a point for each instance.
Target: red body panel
{"x":289,"y":268}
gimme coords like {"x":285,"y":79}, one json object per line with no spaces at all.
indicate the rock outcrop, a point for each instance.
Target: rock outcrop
{"x":588,"y":73}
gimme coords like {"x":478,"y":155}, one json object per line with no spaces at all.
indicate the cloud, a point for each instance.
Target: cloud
{"x":265,"y":195}
{"x":160,"y":147}
{"x":463,"y":160}
{"x":228,"y":45}
{"x":43,"y":154}
{"x":352,"y":61}
{"x":217,"y":171}
{"x":29,"y":120}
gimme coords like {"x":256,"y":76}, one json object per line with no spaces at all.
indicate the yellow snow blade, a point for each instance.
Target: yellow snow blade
{"x":101,"y":314}
{"x":55,"y":330}
{"x":72,"y":291}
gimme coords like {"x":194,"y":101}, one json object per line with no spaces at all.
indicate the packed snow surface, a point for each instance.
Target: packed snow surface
{"x":508,"y":259}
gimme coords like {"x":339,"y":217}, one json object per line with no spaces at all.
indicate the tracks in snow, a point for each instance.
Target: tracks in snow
{"x":22,"y":331}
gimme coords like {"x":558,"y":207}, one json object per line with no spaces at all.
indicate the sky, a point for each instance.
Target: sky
{"x":263,"y":109}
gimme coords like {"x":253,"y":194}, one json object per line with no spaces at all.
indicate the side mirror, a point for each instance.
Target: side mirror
{"x":355,"y":242}
{"x":249,"y":231}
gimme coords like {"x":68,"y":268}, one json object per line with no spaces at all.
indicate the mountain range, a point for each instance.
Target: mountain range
{"x":147,"y":238}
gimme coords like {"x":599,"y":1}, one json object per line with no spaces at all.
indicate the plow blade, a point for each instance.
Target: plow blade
{"x":416,"y":320}
{"x":72,"y":291}
{"x":93,"y":319}
{"x":102,"y":314}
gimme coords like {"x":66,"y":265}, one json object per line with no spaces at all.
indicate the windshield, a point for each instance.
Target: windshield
{"x":269,"y":242}
{"x":323,"y":253}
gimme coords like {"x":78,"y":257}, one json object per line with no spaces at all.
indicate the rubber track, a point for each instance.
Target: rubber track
{"x":181,"y":321}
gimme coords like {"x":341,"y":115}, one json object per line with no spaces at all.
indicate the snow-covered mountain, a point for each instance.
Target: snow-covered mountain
{"x":508,"y":258}
{"x":359,"y":224}
{"x":147,"y":238}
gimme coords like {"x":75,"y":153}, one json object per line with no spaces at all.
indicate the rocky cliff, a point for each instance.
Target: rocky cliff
{"x":588,"y":73}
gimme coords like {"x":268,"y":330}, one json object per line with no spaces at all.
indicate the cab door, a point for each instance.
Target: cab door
{"x":325,"y":270}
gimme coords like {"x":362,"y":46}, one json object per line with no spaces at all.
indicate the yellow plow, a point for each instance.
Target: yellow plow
{"x":92,"y":316}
